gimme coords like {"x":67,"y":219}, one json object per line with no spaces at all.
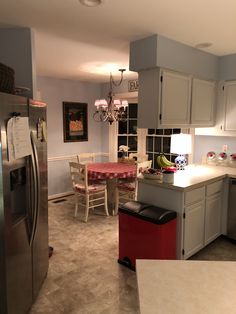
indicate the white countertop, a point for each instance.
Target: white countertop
{"x":186,"y":287}
{"x":195,"y":175}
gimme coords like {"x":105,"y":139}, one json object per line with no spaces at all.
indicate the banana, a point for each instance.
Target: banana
{"x":163,"y":162}
{"x":166,"y":162}
{"x":159,"y":162}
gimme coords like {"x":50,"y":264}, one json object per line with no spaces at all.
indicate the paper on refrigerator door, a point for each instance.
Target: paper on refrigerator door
{"x":18,"y":137}
{"x":10,"y":140}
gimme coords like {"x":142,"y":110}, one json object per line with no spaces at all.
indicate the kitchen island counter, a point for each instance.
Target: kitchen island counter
{"x":199,"y":195}
{"x":179,"y":287}
{"x":194,"y":176}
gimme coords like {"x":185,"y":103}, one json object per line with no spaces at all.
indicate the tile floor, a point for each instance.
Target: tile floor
{"x":84,"y":276}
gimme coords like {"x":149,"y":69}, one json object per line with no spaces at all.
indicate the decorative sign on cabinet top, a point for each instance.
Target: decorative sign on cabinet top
{"x":133,"y":85}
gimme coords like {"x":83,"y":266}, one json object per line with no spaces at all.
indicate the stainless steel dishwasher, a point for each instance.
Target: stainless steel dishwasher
{"x":231,"y":220}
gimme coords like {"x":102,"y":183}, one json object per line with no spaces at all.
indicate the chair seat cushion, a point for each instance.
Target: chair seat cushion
{"x":126,"y":186}
{"x":92,"y":188}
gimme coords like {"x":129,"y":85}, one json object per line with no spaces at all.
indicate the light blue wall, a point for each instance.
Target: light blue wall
{"x":54,"y":91}
{"x":204,"y":144}
{"x":227,"y":67}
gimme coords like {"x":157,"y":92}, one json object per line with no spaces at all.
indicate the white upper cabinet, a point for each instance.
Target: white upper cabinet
{"x":169,"y":99}
{"x":175,"y":99}
{"x":230,"y":106}
{"x":203,"y":102}
{"x":225,"y":112}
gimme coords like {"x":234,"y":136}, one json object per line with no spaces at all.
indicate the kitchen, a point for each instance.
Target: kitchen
{"x":55,"y":90}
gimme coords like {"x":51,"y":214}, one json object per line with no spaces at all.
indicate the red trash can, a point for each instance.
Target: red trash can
{"x":146,"y":232}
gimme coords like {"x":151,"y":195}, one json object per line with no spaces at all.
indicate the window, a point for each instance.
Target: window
{"x":157,"y":142}
{"x":127,"y":130}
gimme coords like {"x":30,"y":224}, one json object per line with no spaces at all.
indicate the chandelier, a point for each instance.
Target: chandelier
{"x":113,"y":109}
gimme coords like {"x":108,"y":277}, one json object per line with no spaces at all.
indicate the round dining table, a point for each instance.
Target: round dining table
{"x":111,"y":171}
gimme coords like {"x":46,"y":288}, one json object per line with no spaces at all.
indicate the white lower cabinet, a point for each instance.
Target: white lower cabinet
{"x":202,"y":219}
{"x":212,"y":218}
{"x":194,"y":228}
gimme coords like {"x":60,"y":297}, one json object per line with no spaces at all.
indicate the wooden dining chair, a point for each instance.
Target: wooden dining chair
{"x":101,"y":157}
{"x":85,"y":158}
{"x":127,"y":189}
{"x":86,"y":195}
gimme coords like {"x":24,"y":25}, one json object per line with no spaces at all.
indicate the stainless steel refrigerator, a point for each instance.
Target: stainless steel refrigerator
{"x":23,"y":209}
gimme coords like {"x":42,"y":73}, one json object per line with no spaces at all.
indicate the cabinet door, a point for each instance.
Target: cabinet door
{"x":213,"y":217}
{"x":203,"y":103}
{"x":193,"y":228}
{"x":230,"y":106}
{"x":175,"y":99}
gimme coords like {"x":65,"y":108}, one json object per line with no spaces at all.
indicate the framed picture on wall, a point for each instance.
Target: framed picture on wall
{"x":75,"y":121}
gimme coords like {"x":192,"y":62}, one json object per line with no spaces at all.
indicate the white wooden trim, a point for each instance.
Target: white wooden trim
{"x":113,"y":141}
{"x":69,"y":157}
{"x":58,"y":158}
{"x":59,"y":195}
{"x":129,"y":95}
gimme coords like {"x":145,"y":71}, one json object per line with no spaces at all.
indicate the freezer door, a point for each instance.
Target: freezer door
{"x":37,"y":118}
{"x":15,"y":257}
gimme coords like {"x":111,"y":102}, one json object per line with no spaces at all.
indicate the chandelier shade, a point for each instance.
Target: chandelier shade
{"x":114,"y":109}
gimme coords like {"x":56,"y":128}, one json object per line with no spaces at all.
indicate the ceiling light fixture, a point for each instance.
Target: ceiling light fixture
{"x":114,"y":109}
{"x":91,"y":3}
{"x":203,"y":45}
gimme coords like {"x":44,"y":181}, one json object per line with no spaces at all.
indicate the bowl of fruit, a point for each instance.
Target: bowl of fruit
{"x":152,"y":174}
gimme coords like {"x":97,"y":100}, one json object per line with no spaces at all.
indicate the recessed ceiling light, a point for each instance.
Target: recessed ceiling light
{"x":91,"y":3}
{"x":203,"y":45}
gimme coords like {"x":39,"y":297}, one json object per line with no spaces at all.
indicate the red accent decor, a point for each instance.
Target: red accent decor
{"x":110,"y":170}
{"x":140,"y":239}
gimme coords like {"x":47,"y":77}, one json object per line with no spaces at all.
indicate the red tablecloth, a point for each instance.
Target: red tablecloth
{"x":111,"y":170}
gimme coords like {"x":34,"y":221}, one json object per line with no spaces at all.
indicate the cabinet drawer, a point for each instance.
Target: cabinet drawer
{"x":194,"y":196}
{"x":214,"y":187}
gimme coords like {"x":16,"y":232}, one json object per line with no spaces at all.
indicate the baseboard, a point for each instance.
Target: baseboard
{"x":59,"y":195}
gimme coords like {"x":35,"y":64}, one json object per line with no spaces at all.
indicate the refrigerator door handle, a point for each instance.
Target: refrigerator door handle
{"x":36,"y":184}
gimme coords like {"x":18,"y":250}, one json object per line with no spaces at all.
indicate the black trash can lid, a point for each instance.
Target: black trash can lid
{"x":133,"y":207}
{"x":157,"y":215}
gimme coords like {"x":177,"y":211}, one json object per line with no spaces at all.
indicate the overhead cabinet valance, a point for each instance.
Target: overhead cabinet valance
{"x":158,"y":51}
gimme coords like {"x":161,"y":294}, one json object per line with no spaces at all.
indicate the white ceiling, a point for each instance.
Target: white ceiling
{"x":77,"y":42}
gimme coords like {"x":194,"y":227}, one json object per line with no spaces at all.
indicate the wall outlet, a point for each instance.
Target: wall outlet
{"x":225,"y":148}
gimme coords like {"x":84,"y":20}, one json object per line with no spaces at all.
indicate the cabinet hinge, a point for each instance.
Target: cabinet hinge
{"x":184,"y":215}
{"x":161,"y":78}
{"x":160,"y":116}
{"x":183,"y":252}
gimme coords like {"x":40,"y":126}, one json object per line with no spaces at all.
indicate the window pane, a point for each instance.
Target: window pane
{"x":167,"y":131}
{"x":150,"y":157}
{"x":150,"y":143}
{"x":133,"y":143}
{"x":155,"y":165}
{"x":159,"y":131}
{"x":176,"y":131}
{"x":158,"y":145}
{"x":151,"y":131}
{"x":122,"y":140}
{"x":122,"y":128}
{"x":132,"y":126}
{"x":173,"y":158}
{"x":133,"y":110}
{"x":166,"y":144}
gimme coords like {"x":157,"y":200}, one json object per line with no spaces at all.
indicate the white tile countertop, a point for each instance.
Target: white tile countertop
{"x":184,"y":287}
{"x":195,"y":175}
